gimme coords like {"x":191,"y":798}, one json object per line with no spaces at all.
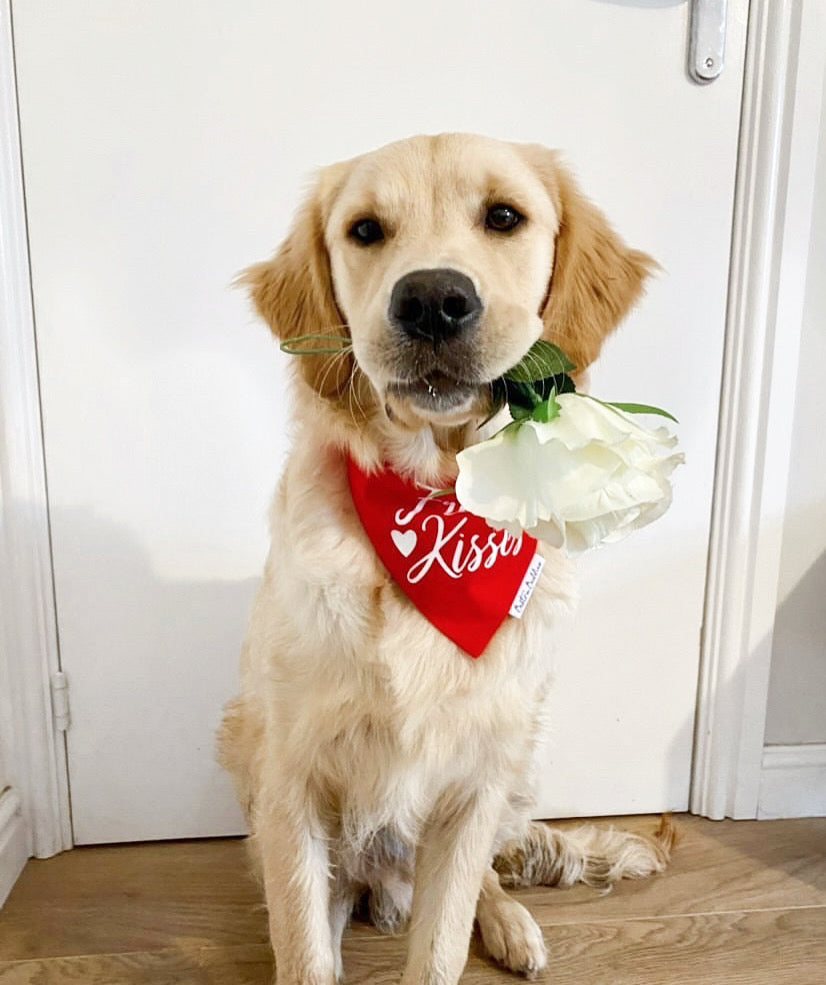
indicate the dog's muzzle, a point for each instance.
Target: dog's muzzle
{"x":435,"y":306}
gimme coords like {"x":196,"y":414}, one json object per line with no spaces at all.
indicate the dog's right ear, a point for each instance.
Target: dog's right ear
{"x":596,"y":277}
{"x":293,"y":292}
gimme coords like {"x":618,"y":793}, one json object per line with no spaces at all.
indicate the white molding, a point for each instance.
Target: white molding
{"x":34,"y":753}
{"x":793,"y":782}
{"x":772,"y":223}
{"x":14,"y":843}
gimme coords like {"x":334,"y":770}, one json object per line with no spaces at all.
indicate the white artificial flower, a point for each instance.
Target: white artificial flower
{"x":589,"y":476}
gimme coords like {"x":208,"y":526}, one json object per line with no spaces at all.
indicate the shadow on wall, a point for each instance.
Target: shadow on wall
{"x":797,"y":692}
{"x":144,"y":655}
{"x":152,"y":660}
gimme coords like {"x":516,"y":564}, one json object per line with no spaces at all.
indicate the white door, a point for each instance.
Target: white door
{"x":165,"y":146}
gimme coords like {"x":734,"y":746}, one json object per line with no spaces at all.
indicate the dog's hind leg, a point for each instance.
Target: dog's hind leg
{"x":390,"y":902}
{"x":239,"y":740}
{"x":598,"y":857}
{"x":510,"y":934}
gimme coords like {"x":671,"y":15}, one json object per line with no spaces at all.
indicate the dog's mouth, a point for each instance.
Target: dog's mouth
{"x":437,"y":392}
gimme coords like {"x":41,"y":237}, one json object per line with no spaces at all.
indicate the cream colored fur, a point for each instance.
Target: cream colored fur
{"x":371,"y":754}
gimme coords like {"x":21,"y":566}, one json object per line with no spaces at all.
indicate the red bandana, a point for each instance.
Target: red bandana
{"x":461,"y":574}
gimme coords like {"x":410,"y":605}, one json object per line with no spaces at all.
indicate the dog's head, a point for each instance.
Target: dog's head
{"x":443,"y":259}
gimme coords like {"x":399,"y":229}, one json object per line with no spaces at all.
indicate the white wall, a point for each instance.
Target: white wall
{"x":797,"y":696}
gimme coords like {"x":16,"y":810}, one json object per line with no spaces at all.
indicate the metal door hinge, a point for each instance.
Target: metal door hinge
{"x":707,"y":40}
{"x":60,"y":701}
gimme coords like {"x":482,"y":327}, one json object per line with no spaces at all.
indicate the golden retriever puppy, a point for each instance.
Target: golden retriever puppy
{"x":371,"y":753}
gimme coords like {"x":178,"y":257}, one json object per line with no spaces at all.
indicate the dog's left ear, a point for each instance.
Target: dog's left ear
{"x":293,"y":291}
{"x":596,"y":278}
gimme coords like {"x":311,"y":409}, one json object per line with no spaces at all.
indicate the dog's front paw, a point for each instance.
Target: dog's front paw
{"x":511,"y":936}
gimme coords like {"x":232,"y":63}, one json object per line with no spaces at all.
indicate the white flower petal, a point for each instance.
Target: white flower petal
{"x":590,"y":476}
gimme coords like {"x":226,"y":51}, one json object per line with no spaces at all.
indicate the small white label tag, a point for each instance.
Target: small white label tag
{"x":525,"y":590}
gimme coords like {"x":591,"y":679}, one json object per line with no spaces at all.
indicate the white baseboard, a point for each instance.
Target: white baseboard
{"x":14,"y":845}
{"x":793,"y":781}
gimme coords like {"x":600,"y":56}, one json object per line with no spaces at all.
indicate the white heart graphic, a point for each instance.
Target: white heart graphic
{"x":405,"y":541}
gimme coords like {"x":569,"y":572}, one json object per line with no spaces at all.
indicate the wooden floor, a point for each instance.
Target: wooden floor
{"x":743,"y":902}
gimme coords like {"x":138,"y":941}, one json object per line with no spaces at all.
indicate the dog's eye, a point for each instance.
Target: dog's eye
{"x":366,"y":231}
{"x":502,"y":218}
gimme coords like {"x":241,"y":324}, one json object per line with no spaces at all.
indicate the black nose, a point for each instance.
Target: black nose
{"x":434,"y":305}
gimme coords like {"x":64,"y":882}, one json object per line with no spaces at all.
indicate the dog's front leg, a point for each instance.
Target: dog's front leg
{"x":452,"y":857}
{"x":295,"y":867}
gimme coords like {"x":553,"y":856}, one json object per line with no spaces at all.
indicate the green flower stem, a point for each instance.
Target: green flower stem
{"x":295,"y":346}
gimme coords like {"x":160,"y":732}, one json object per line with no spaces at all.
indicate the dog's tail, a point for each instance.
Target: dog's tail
{"x":599,"y":857}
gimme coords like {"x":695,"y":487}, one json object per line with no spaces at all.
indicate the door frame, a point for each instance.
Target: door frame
{"x":774,"y":193}
{"x":34,"y":752}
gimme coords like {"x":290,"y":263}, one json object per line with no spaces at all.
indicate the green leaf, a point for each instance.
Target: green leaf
{"x":640,"y":409}
{"x":541,"y":360}
{"x":546,"y":410}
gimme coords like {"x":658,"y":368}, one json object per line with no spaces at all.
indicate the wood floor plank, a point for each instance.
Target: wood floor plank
{"x":239,"y":965}
{"x":172,"y":899}
{"x":765,"y":947}
{"x":133,"y":898}
{"x":717,"y":866}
